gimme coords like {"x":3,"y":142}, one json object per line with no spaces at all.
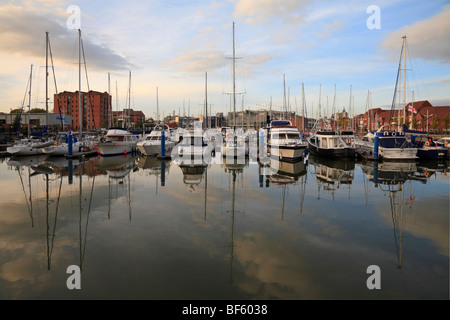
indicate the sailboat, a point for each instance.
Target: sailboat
{"x":284,"y":140}
{"x":32,"y":145}
{"x":392,"y":144}
{"x":81,"y":146}
{"x":330,"y":142}
{"x":118,"y":141}
{"x":236,"y":142}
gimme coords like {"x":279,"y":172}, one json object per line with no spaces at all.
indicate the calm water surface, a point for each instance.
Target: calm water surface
{"x":142,"y":228}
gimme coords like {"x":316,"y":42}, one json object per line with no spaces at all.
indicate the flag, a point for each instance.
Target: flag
{"x":412,"y":109}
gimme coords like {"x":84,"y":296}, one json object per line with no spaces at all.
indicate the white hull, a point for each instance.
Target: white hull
{"x":28,"y":149}
{"x":285,"y":152}
{"x":111,"y":148}
{"x":153,"y":149}
{"x":398,"y":153}
{"x":234,"y":151}
{"x":23,"y":151}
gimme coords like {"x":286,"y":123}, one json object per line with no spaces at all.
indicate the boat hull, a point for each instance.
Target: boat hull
{"x":294,"y":152}
{"x":332,"y":152}
{"x":112,"y":149}
{"x":23,"y":151}
{"x":398,"y":153}
{"x":152,"y":149}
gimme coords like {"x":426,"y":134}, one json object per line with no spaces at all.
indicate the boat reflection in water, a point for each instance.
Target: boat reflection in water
{"x":235,"y":167}
{"x":154,"y":166}
{"x":118,"y":169}
{"x":331,"y":174}
{"x":283,"y":174}
{"x":390,"y":177}
{"x":45,"y":187}
{"x":193,"y":170}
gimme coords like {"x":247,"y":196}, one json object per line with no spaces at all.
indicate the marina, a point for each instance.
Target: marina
{"x":303,"y":157}
{"x":147,"y":228}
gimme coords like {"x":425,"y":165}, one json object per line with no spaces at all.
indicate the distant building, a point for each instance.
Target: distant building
{"x":419,"y":115}
{"x":128,"y":118}
{"x":96,"y":110}
{"x":55,"y":123}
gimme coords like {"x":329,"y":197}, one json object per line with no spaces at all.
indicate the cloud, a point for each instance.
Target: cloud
{"x":335,"y":26}
{"x":263,"y":11}
{"x":22,"y":31}
{"x":425,"y":38}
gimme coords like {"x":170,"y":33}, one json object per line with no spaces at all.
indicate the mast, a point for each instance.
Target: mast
{"x":234,"y":83}
{"x":334,"y":108}
{"x":157,"y":107}
{"x":129,"y":101}
{"x":284,"y":97}
{"x":46,"y":78}
{"x":320,"y":95}
{"x":29,"y":101}
{"x":109,"y":102}
{"x":404,"y":77}
{"x":79,"y":83}
{"x":206,"y":100}
{"x":350,"y":107}
{"x":303,"y":107}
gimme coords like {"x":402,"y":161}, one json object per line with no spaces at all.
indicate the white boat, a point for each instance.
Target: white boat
{"x":28,"y":147}
{"x":79,"y":148}
{"x":117,"y":141}
{"x":392,"y":145}
{"x":285,"y":141}
{"x":236,"y":144}
{"x":151,"y":145}
{"x":445,"y":143}
{"x":192,"y":145}
{"x":332,"y":144}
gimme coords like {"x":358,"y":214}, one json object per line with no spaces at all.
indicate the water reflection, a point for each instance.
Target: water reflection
{"x":154,"y":166}
{"x":234,"y":167}
{"x":118,"y":169}
{"x":331,"y":174}
{"x":244,"y":248}
{"x":192,"y":171}
{"x":390,"y":178}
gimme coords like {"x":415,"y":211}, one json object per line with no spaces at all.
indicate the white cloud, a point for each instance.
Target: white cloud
{"x":428,"y":39}
{"x":335,"y":26}
{"x":22,"y":31}
{"x":263,"y":11}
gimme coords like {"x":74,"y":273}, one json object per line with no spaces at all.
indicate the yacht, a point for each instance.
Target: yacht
{"x":392,"y":145}
{"x":332,"y":143}
{"x":85,"y":146}
{"x":29,"y":146}
{"x":236,"y":144}
{"x":151,"y":145}
{"x":117,"y":141}
{"x":285,"y":141}
{"x":192,"y":145}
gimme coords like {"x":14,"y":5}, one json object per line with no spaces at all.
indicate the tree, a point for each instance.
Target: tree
{"x":446,"y":122}
{"x":38,"y":110}
{"x":435,"y":121}
{"x":415,"y":123}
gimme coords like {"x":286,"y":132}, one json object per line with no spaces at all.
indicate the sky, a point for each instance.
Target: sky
{"x":170,"y":56}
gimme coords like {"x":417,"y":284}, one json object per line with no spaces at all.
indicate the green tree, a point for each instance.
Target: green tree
{"x":435,"y":121}
{"x":446,"y":122}
{"x":38,"y":110}
{"x":415,"y":123}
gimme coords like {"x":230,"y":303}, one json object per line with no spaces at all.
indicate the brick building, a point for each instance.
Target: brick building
{"x":419,"y":115}
{"x":128,"y":118}
{"x":96,"y":110}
